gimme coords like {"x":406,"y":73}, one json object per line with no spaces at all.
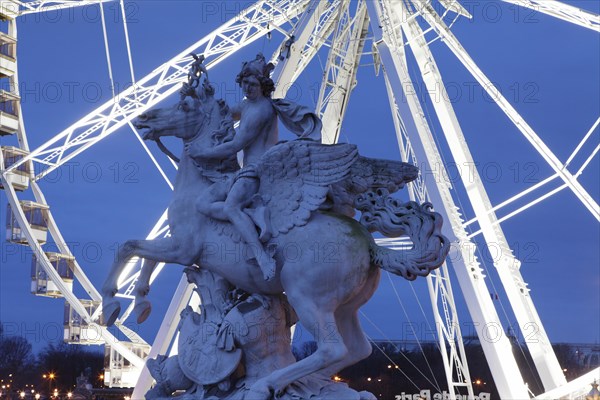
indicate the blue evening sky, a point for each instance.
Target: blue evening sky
{"x":547,"y":68}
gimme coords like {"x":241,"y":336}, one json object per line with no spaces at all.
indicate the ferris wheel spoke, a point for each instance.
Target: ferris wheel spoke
{"x":127,"y":44}
{"x":544,"y":182}
{"x":562,"y":11}
{"x":580,"y":145}
{"x":416,"y":146}
{"x":454,"y":45}
{"x":151,"y":155}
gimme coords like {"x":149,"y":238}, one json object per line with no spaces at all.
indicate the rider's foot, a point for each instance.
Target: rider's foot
{"x":267,"y":265}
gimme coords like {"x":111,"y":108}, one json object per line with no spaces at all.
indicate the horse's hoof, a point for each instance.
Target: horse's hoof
{"x":110,"y":312}
{"x":142,"y":310}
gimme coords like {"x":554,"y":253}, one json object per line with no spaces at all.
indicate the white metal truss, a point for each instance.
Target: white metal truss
{"x":562,"y":11}
{"x":438,"y":282}
{"x":302,"y":44}
{"x":339,"y":77}
{"x":502,"y":364}
{"x":417,"y":145}
{"x":250,"y":25}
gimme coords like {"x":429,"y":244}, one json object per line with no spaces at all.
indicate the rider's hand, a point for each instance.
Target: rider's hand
{"x":194,"y":150}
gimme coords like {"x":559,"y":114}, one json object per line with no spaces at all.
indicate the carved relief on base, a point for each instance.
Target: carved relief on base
{"x":236,"y":340}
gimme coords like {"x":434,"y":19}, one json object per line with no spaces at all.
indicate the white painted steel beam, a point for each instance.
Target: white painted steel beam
{"x":248,"y":26}
{"x":339,"y":77}
{"x":507,"y":266}
{"x":576,"y":389}
{"x":448,"y":38}
{"x":562,"y":11}
{"x":417,"y":146}
{"x":316,"y":22}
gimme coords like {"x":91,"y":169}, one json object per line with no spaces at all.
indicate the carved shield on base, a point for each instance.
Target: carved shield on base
{"x":199,"y":356}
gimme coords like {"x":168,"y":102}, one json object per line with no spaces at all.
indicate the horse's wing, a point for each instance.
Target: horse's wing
{"x":370,"y":174}
{"x":295,"y":178}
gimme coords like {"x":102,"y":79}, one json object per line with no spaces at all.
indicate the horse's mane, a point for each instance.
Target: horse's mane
{"x":224,"y":133}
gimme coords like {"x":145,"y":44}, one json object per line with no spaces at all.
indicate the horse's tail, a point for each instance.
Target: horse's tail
{"x":394,"y":219}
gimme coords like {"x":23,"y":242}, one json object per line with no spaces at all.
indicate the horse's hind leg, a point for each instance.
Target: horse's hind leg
{"x":350,"y":328}
{"x":331,"y":349}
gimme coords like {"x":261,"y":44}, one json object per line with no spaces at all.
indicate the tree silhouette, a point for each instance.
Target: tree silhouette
{"x":16,"y":359}
{"x":67,"y":362}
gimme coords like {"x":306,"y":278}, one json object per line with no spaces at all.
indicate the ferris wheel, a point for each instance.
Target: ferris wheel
{"x":399,"y":37}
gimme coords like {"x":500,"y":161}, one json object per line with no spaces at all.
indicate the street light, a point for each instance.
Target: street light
{"x":50,"y":376}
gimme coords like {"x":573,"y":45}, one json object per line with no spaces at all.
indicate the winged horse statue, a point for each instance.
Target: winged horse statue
{"x":328,"y":264}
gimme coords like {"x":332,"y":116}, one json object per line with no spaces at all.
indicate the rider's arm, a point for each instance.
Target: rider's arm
{"x":245,"y":135}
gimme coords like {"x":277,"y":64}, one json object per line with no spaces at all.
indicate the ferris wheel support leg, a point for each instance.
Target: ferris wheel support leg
{"x":165,"y":334}
{"x":502,"y":363}
{"x":340,"y":71}
{"x":288,"y":57}
{"x":438,"y":283}
{"x":507,"y":265}
{"x":462,"y":255}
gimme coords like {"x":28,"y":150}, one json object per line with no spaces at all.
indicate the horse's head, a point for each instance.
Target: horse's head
{"x":183,"y":120}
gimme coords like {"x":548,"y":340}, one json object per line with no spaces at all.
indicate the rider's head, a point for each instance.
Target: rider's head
{"x":260,"y":70}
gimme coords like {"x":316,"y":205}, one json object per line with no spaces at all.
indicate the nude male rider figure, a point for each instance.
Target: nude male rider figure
{"x":256,"y":133}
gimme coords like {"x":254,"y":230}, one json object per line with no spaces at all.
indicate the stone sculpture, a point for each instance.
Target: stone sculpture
{"x":295,"y":201}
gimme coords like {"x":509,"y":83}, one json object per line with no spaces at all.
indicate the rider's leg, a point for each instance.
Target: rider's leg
{"x":212,"y":202}
{"x":239,"y":196}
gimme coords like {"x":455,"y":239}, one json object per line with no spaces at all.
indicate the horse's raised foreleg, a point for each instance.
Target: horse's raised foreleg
{"x":166,"y":250}
{"x":143,"y":307}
